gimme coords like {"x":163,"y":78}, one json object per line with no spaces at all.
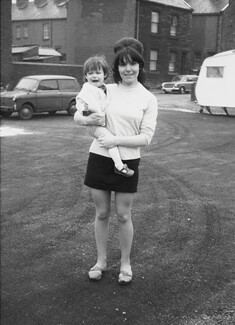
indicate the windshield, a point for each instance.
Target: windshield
{"x":176,"y":78}
{"x":26,"y":84}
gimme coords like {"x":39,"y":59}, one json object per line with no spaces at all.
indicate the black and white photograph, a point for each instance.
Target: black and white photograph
{"x":117,"y":182}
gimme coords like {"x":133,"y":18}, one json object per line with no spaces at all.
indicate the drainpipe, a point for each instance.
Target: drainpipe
{"x":137,"y":18}
{"x":51,"y":34}
{"x":219,"y":32}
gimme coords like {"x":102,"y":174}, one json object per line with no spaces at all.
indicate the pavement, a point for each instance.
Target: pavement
{"x":183,"y":215}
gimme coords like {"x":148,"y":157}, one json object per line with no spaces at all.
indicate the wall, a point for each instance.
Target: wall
{"x":35,"y":32}
{"x":94,"y":26}
{"x":228,"y":28}
{"x":6,"y":40}
{"x":204,"y":33}
{"x":21,"y":69}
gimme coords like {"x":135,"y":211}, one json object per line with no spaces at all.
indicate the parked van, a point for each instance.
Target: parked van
{"x":216,"y":82}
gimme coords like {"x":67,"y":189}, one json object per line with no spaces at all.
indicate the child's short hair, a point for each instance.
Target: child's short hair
{"x":96,"y":62}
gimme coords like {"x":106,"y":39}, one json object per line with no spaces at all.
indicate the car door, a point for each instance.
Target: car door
{"x":48,"y":96}
{"x":69,"y":89}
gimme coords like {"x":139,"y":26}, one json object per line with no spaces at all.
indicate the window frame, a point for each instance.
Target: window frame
{"x":69,"y":82}
{"x":172,"y":62}
{"x":174,"y":25}
{"x":154,"y":22}
{"x":43,"y":84}
{"x":215,"y":72}
{"x":153,"y":60}
{"x":18,"y":32}
{"x":46,"y":31}
{"x":25,"y":32}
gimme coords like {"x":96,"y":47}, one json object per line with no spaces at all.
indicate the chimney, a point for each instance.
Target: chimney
{"x":21,"y":4}
{"x":40,"y":3}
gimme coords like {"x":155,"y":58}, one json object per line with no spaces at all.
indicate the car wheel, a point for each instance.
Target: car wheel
{"x":72,"y":108}
{"x":166,"y":92}
{"x":52,"y":112}
{"x":6,"y":114}
{"x":26,"y":112}
{"x":182,"y":90}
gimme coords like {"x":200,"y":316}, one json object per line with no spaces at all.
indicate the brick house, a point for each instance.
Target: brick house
{"x":41,"y":22}
{"x":228,"y":27}
{"x":213,"y":28}
{"x":6,"y":59}
{"x":163,"y":26}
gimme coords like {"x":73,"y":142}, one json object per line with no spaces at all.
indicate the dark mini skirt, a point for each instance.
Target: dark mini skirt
{"x":100,"y":175}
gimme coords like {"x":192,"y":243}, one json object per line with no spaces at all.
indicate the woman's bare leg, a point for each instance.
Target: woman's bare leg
{"x":102,"y":205}
{"x":123,"y":207}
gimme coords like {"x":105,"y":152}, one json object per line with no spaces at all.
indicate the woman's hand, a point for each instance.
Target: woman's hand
{"x":107,"y":141}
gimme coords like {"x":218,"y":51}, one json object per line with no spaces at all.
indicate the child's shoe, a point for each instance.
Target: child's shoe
{"x":125,"y":171}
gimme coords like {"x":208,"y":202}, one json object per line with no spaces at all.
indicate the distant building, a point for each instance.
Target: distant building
{"x":163,"y":26}
{"x":213,"y":28}
{"x":42,"y":22}
{"x":228,"y":27}
{"x":6,"y":41}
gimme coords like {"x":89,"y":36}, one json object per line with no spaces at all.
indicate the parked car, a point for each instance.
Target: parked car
{"x":40,"y":93}
{"x":180,"y":84}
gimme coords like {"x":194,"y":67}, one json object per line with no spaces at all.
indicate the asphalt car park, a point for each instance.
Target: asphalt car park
{"x":183,"y":213}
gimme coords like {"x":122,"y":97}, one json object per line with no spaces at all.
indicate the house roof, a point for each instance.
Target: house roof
{"x":42,"y":51}
{"x":207,"y":6}
{"x":173,"y":3}
{"x":21,"y":49}
{"x":32,"y":12}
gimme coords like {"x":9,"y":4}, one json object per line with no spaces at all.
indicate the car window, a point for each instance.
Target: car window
{"x":183,"y":79}
{"x":48,"y":85}
{"x":26,"y":84}
{"x":176,"y":78}
{"x":67,"y":85}
{"x":192,"y":79}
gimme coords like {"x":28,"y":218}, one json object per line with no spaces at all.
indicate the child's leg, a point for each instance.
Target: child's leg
{"x":114,"y":152}
{"x":120,"y":168}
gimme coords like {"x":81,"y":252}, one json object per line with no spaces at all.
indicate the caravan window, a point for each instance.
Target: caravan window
{"x":215,"y":72}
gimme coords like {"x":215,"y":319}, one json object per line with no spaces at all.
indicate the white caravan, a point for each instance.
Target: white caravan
{"x":216,"y":82}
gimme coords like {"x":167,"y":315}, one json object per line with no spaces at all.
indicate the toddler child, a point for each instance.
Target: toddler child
{"x":93,"y":99}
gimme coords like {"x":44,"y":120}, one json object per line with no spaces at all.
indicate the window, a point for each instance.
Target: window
{"x":48,"y":85}
{"x":67,"y":85}
{"x":154,"y":22}
{"x":25,"y":32}
{"x":214,"y":72}
{"x":174,"y":23}
{"x":18,"y":32}
{"x":153,"y":60}
{"x":172,"y":62}
{"x":46,"y":31}
{"x":197,"y":60}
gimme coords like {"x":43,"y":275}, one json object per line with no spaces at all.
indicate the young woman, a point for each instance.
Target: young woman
{"x":131,"y":117}
{"x":93,"y":99}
